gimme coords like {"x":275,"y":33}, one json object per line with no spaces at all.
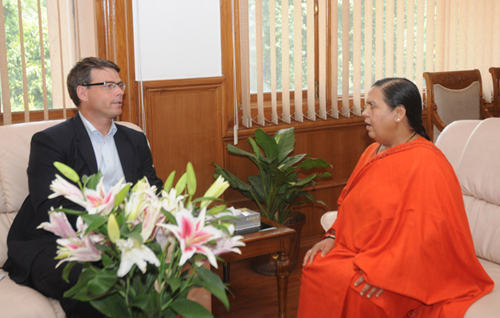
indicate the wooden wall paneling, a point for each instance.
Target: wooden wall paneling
{"x":115,"y":42}
{"x":339,"y":145}
{"x":183,"y":120}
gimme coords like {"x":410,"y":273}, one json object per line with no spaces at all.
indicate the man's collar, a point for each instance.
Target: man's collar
{"x":91,"y":129}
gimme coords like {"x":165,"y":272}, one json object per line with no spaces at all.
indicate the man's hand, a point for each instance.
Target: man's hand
{"x":323,"y":246}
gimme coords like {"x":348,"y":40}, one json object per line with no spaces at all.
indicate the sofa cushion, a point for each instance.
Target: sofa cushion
{"x":453,"y":138}
{"x":14,"y":155}
{"x":478,"y":173}
{"x":20,"y":301}
{"x":488,"y":305}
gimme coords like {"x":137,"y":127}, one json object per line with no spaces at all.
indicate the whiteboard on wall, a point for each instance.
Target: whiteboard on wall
{"x":176,"y":39}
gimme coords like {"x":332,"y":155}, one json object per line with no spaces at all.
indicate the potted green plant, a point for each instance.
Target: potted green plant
{"x":277,"y":188}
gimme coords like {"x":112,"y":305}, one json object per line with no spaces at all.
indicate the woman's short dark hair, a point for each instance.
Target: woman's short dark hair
{"x":401,"y":91}
{"x":81,"y":72}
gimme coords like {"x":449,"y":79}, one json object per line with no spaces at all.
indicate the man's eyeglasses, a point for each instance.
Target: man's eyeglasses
{"x":108,"y":85}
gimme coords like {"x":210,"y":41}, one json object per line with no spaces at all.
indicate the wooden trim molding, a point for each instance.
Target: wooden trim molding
{"x":115,"y":42}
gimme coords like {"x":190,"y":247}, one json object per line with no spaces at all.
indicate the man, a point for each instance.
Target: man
{"x":89,"y":142}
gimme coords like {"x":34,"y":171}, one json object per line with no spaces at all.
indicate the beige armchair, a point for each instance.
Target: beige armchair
{"x":20,"y":301}
{"x":452,"y":96}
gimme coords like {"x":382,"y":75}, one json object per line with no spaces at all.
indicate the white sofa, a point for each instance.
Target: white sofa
{"x":15,"y":300}
{"x":473,"y":149}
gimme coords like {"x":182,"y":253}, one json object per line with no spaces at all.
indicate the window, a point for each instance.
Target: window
{"x":354,"y":43}
{"x":40,"y":41}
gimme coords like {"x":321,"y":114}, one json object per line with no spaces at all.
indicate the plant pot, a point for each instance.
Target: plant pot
{"x":266,"y":264}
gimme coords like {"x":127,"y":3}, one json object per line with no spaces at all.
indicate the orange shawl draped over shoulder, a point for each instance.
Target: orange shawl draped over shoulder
{"x":402,"y":223}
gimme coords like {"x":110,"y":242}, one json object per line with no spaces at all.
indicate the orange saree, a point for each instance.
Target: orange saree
{"x":402,"y":225}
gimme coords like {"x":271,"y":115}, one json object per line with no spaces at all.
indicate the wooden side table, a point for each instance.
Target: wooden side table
{"x":266,"y":242}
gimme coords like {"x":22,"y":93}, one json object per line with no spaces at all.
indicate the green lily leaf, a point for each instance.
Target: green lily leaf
{"x":92,"y":181}
{"x":66,"y":271}
{"x":174,"y":283}
{"x":212,"y":282}
{"x":69,"y":211}
{"x":106,"y":260}
{"x":85,"y":276}
{"x":112,"y":306}
{"x":142,"y":301}
{"x":121,"y":195}
{"x":102,"y":282}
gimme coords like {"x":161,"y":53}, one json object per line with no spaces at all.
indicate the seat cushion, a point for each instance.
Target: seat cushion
{"x":487,"y":306}
{"x":18,"y":301}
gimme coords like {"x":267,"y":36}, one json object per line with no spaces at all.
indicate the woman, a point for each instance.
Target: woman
{"x":401,"y":245}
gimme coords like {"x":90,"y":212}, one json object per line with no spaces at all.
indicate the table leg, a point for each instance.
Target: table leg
{"x":226,"y":268}
{"x":282,"y":273}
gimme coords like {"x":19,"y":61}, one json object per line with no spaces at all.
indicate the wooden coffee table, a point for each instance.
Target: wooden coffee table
{"x":266,"y":242}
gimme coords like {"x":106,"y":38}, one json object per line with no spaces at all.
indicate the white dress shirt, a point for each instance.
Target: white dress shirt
{"x":106,"y":154}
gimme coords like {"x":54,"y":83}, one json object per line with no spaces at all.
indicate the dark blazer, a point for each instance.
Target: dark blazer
{"x":69,"y":143}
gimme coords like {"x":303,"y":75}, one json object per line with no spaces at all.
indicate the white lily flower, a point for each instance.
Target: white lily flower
{"x":215,"y":190}
{"x":135,"y":253}
{"x":171,"y":201}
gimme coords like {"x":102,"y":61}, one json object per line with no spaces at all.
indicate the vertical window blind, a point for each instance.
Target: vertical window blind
{"x":39,"y":43}
{"x":311,"y":60}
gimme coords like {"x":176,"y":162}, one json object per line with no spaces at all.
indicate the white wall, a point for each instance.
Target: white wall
{"x":177,"y":39}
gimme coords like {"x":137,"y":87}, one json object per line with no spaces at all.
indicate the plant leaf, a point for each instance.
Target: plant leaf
{"x":238,"y":151}
{"x":112,"y":306}
{"x":190,"y":309}
{"x":311,"y":163}
{"x":267,"y":143}
{"x":102,"y":282}
{"x":121,"y":195}
{"x":286,"y":142}
{"x":212,"y":282}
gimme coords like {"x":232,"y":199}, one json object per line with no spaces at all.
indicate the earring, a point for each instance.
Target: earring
{"x":398,"y":119}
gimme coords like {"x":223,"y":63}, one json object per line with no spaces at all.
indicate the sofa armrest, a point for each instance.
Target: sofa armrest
{"x":327,"y":219}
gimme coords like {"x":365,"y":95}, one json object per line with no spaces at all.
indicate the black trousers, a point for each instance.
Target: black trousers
{"x":48,"y":280}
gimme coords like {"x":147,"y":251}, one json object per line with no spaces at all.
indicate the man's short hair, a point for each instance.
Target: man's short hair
{"x":80,"y":74}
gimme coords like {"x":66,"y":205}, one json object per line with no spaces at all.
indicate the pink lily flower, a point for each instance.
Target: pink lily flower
{"x":228,"y":244}
{"x":99,"y":201}
{"x":59,"y":225}
{"x":192,"y":235}
{"x":71,"y":192}
{"x":81,"y":250}
{"x":72,"y":247}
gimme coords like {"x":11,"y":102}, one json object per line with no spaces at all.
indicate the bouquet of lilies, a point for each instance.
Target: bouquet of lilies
{"x":142,"y":249}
